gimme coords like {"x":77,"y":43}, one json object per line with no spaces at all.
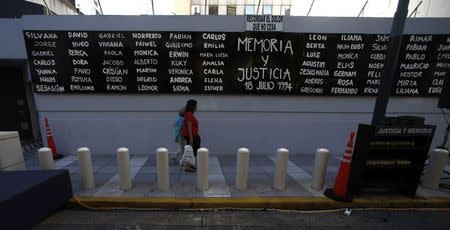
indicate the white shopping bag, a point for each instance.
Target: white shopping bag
{"x":188,"y":157}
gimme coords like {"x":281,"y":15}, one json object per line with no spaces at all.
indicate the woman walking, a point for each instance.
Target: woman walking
{"x":190,"y":126}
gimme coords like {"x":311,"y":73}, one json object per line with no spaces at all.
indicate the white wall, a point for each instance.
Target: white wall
{"x":262,"y":123}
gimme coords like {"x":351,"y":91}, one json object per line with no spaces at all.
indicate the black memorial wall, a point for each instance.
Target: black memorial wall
{"x":232,"y":63}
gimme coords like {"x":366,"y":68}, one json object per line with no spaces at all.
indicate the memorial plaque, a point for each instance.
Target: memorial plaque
{"x":247,"y":63}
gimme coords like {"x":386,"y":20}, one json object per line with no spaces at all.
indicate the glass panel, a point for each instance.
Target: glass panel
{"x":268,"y":2}
{"x":231,"y":2}
{"x":231,"y":10}
{"x":213,"y":2}
{"x":286,"y":2}
{"x":267,"y":10}
{"x":249,"y":9}
{"x":250,"y":2}
{"x":276,"y":10}
{"x":196,"y":2}
{"x":240,"y":10}
{"x":222,"y":9}
{"x":213,"y":10}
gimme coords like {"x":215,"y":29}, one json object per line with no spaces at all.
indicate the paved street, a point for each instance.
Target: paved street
{"x":258,"y":220}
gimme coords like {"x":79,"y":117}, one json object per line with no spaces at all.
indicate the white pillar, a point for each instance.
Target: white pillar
{"x":279,"y":182}
{"x":87,"y":174}
{"x":242,"y":168}
{"x":123,"y":160}
{"x":434,"y":169}
{"x":202,"y":169}
{"x":320,"y":169}
{"x":162,"y":166}
{"x":46,"y":158}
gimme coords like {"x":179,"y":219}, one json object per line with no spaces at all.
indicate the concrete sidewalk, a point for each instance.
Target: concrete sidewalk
{"x":221,"y":177}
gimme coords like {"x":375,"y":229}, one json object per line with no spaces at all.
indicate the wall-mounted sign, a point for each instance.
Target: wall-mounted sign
{"x":253,"y":63}
{"x":264,"y":23}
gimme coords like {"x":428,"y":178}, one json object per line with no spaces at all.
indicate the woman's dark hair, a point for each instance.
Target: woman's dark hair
{"x":181,"y":112}
{"x":191,"y":105}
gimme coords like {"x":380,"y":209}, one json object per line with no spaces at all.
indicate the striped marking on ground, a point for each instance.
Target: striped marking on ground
{"x":302,"y":177}
{"x":61,"y":163}
{"x":112,"y":186}
{"x":217,"y":184}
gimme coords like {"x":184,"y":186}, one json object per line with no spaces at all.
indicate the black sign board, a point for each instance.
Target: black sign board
{"x":231,"y":63}
{"x":387,"y":158}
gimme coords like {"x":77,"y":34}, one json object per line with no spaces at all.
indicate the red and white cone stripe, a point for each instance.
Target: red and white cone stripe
{"x":347,"y":155}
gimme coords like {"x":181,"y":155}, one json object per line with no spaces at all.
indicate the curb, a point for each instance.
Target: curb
{"x":286,"y":203}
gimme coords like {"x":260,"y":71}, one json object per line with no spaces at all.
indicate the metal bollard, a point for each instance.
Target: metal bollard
{"x":87,"y":174}
{"x":46,"y":158}
{"x":123,"y":160}
{"x":242,"y":168}
{"x":202,"y":169}
{"x":162,"y":166}
{"x":279,"y":182}
{"x":320,"y":169}
{"x":434,"y":169}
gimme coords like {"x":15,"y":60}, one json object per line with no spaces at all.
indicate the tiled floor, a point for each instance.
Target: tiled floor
{"x":221,"y":177}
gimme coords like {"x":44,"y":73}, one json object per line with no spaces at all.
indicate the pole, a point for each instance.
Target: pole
{"x":123,"y":161}
{"x":202,"y":169}
{"x":415,"y":10}
{"x":310,"y":8}
{"x":281,"y":165}
{"x":46,"y":158}
{"x":362,"y":9}
{"x":257,"y":9}
{"x":387,"y":75}
{"x":243,"y":156}
{"x":100,"y":6}
{"x":153,"y":8}
{"x":320,"y":169}
{"x":162,"y":168}
{"x":86,"y":172}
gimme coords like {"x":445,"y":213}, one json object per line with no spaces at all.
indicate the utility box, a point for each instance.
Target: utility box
{"x":11,"y":155}
{"x":389,"y":157}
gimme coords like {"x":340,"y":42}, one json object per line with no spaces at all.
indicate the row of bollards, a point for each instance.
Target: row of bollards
{"x":162,"y":166}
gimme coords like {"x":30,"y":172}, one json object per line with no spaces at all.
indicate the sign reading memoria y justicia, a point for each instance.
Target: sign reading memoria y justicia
{"x":255,"y":63}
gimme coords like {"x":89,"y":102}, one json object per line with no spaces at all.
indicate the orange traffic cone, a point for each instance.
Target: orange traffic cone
{"x":339,"y":192}
{"x":51,"y":142}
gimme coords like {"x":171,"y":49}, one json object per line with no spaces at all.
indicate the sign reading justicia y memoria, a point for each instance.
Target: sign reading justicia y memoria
{"x":254,"y":63}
